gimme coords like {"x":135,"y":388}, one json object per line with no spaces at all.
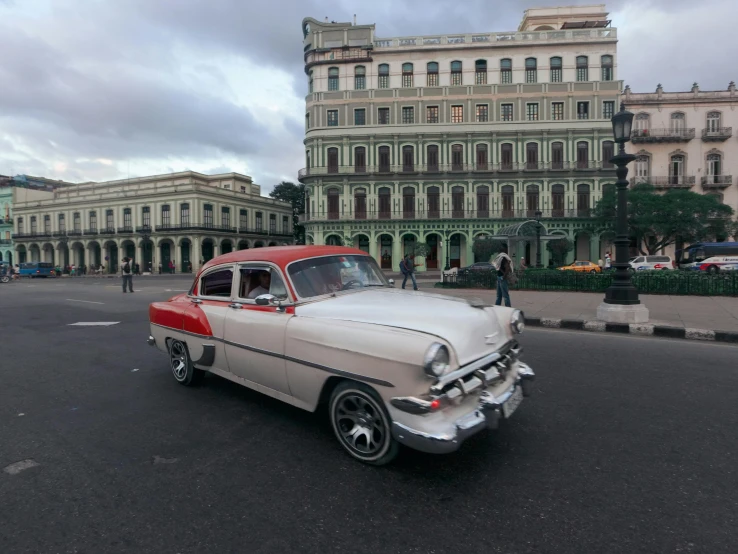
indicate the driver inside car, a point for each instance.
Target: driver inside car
{"x":265,"y":279}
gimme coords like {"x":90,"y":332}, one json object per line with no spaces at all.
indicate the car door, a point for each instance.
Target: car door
{"x":255,"y":335}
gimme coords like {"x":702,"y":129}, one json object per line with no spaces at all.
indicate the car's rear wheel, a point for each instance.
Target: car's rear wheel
{"x":593,"y":271}
{"x":362,"y":424}
{"x":713,"y":270}
{"x":181,"y":364}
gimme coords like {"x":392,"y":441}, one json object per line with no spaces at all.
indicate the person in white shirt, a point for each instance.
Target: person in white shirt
{"x":265,"y":280}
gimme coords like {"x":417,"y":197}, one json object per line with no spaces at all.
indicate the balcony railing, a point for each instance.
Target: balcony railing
{"x":270,"y":233}
{"x":670,"y":181}
{"x":403,"y":215}
{"x":74,"y":233}
{"x":719,"y":134}
{"x":6,"y":220}
{"x":107,"y":231}
{"x":5,"y":242}
{"x":145,"y":229}
{"x":662,"y":135}
{"x":126,"y":229}
{"x":716,"y":181}
{"x":189,"y":226}
{"x":498,"y":167}
{"x":60,"y":233}
{"x":90,"y":231}
{"x":36,"y":235}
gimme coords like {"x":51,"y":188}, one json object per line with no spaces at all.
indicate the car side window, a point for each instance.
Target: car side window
{"x":217,"y":283}
{"x":258,"y":280}
{"x":638,"y":260}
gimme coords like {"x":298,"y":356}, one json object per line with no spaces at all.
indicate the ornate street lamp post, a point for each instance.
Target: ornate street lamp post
{"x":539,"y":265}
{"x":621,"y":302}
{"x":448,"y":248}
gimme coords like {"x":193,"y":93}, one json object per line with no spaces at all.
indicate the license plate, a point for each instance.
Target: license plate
{"x":513,"y":402}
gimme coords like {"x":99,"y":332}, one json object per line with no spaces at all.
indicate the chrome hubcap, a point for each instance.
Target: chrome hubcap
{"x":178,"y":358}
{"x":360,"y":424}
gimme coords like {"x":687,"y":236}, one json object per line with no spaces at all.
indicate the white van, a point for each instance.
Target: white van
{"x":642,"y":263}
{"x":717,"y":264}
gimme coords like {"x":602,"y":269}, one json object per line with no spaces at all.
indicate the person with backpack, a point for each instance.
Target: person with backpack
{"x":505,"y":276}
{"x":127,"y":274}
{"x":407,"y":267}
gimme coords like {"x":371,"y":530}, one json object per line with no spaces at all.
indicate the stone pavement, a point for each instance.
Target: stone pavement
{"x":691,"y":312}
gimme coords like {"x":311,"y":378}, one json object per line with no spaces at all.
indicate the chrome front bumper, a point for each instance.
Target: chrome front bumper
{"x":486,"y":415}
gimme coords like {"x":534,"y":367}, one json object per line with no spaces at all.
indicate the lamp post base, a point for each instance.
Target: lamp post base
{"x":622,"y":313}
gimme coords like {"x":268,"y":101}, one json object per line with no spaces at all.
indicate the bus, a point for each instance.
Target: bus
{"x":693,"y":255}
{"x":36,"y":269}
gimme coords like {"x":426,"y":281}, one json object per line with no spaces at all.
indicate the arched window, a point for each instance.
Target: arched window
{"x":506,"y":71}
{"x":360,"y":204}
{"x":531,"y":201}
{"x":456,"y":73}
{"x":557,"y":70}
{"x":482,"y":157}
{"x":408,"y":158}
{"x":557,"y":155}
{"x":531,"y":70}
{"x":332,"y":160}
{"x":480,"y":72}
{"x":407,"y":75}
{"x":383,"y":75}
{"x":583,"y":200}
{"x":332,"y":78}
{"x":557,"y":200}
{"x":457,"y":157}
{"x":333,"y":203}
{"x":434,"y":202}
{"x":506,"y":157}
{"x":432,"y":69}
{"x":432,"y":157}
{"x":359,"y":77}
{"x":408,"y":203}
{"x":457,"y":202}
{"x":607,"y":72}
{"x":677,"y":121}
{"x":642,"y":168}
{"x":676,"y":169}
{"x":531,"y":155}
{"x":383,"y":159}
{"x":714,"y":122}
{"x":582,"y":155}
{"x":507,"y":197}
{"x":483,"y":201}
{"x":360,"y":159}
{"x":714,"y":165}
{"x":582,"y":68}
{"x":385,"y":203}
{"x":608,"y":152}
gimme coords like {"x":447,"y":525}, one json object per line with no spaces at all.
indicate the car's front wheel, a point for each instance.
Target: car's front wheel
{"x":713,"y":269}
{"x":179,"y":360}
{"x":362,"y":424}
{"x":593,"y":271}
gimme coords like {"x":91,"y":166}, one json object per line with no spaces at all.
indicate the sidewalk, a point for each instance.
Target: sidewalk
{"x":686,"y":312}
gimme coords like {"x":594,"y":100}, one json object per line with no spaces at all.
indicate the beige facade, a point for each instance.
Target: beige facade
{"x":440,"y":139}
{"x":186,"y":218}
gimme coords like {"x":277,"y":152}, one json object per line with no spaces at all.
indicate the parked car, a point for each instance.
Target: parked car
{"x":478,"y":267}
{"x":642,"y":263}
{"x":582,"y":267}
{"x":321,"y":324}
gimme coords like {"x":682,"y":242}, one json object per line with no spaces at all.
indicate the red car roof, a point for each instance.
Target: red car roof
{"x":281,"y":255}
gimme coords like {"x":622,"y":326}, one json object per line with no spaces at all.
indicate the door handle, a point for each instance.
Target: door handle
{"x":235,"y":306}
{"x":196,"y":301}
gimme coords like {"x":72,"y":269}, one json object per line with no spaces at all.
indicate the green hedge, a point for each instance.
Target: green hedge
{"x":647,"y":282}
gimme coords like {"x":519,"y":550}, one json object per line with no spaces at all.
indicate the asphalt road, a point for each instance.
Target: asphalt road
{"x":628,"y":445}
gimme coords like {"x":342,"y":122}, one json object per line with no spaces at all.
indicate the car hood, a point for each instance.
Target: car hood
{"x":471,"y":331}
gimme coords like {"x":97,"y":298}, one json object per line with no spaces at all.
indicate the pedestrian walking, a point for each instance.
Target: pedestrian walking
{"x":407,"y":267}
{"x":171,"y":267}
{"x":608,"y":261}
{"x":523,"y":265}
{"x":159,"y":268}
{"x":127,"y":274}
{"x":189,"y":267}
{"x":505,"y":276}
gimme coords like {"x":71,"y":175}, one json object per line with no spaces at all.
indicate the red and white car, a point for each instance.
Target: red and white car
{"x":321,"y":324}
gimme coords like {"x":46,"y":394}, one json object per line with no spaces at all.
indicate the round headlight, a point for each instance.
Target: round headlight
{"x":436,"y":360}
{"x":517,"y":322}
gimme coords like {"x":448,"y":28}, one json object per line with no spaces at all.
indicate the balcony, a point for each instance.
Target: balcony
{"x":718,"y":134}
{"x":35,"y":235}
{"x":713,"y":182}
{"x":273,"y":233}
{"x":59,"y":234}
{"x":668,"y":182}
{"x":5,"y":242}
{"x":586,"y":165}
{"x":144,"y":229}
{"x":107,"y":231}
{"x":125,"y":230}
{"x":90,"y":232}
{"x":189,"y":226}
{"x":6,"y":220}
{"x":333,"y":56}
{"x":642,"y":136}
{"x":74,"y":233}
{"x":402,"y":215}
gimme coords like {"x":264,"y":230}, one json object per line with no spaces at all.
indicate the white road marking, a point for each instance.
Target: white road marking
{"x":21,"y":414}
{"x":134,"y":370}
{"x":17,"y":467}
{"x":85,"y":301}
{"x":94,"y":323}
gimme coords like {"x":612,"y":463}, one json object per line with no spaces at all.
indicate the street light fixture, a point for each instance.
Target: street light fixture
{"x":538,"y":214}
{"x":448,"y":248}
{"x":621,"y":302}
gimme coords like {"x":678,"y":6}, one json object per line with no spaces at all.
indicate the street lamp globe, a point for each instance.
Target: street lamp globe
{"x":622,"y":123}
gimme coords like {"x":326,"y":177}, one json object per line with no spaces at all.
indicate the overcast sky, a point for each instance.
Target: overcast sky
{"x":103,"y":89}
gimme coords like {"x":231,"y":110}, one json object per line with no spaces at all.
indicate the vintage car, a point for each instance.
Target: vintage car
{"x":321,"y":324}
{"x":582,"y":267}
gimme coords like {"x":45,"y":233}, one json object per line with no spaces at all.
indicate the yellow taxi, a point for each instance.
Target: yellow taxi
{"x":582,"y":267}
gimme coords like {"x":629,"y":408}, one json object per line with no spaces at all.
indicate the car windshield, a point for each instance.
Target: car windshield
{"x":318,"y":276}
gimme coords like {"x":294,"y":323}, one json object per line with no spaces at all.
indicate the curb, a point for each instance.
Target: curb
{"x":642,"y":329}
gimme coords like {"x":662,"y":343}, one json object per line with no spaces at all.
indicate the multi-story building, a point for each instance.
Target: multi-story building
{"x":686,"y":140}
{"x":440,"y":139}
{"x":187,"y":218}
{"x":6,"y":220}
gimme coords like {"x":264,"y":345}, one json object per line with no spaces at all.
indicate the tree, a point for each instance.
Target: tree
{"x":484,"y":247}
{"x":659,"y":220}
{"x":295,"y":195}
{"x":559,"y":248}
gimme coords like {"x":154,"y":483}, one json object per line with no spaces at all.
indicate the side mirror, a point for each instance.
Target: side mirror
{"x":266,"y":300}
{"x":391,"y":282}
